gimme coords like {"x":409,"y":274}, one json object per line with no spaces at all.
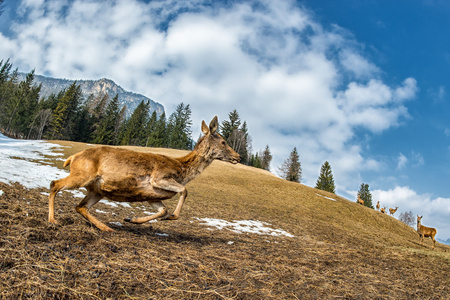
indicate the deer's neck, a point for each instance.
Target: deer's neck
{"x":193,"y":164}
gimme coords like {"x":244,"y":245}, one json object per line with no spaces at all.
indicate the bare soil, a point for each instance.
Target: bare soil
{"x":341,"y":250}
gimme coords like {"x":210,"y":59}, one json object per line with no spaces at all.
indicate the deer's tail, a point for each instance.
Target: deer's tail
{"x":68,"y":161}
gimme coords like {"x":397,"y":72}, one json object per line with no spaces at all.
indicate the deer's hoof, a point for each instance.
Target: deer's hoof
{"x":170,"y":217}
{"x":127,"y":220}
{"x":53,"y":221}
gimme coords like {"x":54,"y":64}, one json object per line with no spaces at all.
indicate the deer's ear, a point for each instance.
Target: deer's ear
{"x":205,"y":128}
{"x":213,"y":125}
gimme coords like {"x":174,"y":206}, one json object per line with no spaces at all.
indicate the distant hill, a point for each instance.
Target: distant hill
{"x":131,"y":100}
{"x":446,"y":242}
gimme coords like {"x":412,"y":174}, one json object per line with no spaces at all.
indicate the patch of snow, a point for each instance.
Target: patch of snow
{"x":230,"y":243}
{"x":1,"y":193}
{"x":113,"y":204}
{"x":21,"y":162}
{"x":116,"y":223}
{"x":161,"y":234}
{"x":101,"y":211}
{"x":244,"y":226}
{"x":77,"y":193}
{"x":326,"y":197}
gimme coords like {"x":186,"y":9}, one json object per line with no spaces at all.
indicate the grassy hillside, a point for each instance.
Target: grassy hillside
{"x":339,"y":250}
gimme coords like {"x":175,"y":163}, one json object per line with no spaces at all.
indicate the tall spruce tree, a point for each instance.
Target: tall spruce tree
{"x":158,"y":137}
{"x":83,"y":125}
{"x":179,"y":128}
{"x":150,"y":128}
{"x":326,"y":181}
{"x":365,"y":195}
{"x":133,"y":131}
{"x":106,"y":130}
{"x":236,"y":135}
{"x":291,"y":168}
{"x":228,"y":126}
{"x":266,"y":158}
{"x":65,"y":114}
{"x":21,"y":106}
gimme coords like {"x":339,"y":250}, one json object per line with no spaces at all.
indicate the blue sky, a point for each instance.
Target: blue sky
{"x":361,"y":84}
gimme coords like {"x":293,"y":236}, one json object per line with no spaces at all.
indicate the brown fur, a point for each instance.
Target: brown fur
{"x":393,"y":210}
{"x":378,"y":205}
{"x":383,"y":210}
{"x":128,"y":176}
{"x":360,"y":201}
{"x":424,"y":231}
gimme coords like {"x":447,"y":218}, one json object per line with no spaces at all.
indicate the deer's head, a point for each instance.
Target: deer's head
{"x":418,"y":219}
{"x":214,"y":145}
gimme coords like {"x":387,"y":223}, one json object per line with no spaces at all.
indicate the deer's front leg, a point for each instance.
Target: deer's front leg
{"x":173,"y":186}
{"x":176,"y":212}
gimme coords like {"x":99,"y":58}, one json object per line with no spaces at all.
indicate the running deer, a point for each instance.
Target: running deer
{"x":378,"y":205}
{"x":393,"y":210}
{"x":425,"y":231}
{"x":360,"y":201}
{"x":128,"y":176}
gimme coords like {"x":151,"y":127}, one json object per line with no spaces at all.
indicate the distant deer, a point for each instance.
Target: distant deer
{"x":393,"y":210}
{"x":425,"y":231}
{"x":383,"y":209}
{"x":378,"y":205}
{"x":128,"y":176}
{"x":360,"y":201}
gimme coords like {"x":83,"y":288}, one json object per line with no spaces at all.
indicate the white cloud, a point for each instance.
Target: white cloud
{"x":357,"y":64}
{"x":402,"y":160}
{"x":415,"y":159}
{"x":272,"y":62}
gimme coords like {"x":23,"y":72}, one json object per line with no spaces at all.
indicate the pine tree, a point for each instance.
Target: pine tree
{"x":21,"y":106}
{"x":365,"y":195}
{"x":325,"y":181}
{"x":236,"y":135}
{"x":65,"y":114}
{"x":228,"y":126}
{"x":106,"y":130}
{"x":159,"y":137}
{"x":150,"y":129}
{"x":266,"y":158}
{"x":291,"y":168}
{"x":179,"y":128}
{"x":133,"y":131}
{"x":83,"y":125}
{"x":8,"y":87}
{"x":255,"y":161}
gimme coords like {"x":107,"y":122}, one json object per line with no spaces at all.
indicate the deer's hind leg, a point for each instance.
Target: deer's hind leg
{"x":83,"y":208}
{"x":162,"y":211}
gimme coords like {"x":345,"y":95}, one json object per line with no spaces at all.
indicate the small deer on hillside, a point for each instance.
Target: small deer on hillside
{"x":128,"y":176}
{"x":360,"y":201}
{"x":378,"y":205}
{"x":392,"y":210}
{"x":383,"y":209}
{"x":424,"y":231}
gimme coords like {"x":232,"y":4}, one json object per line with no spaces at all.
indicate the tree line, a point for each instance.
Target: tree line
{"x":101,"y":120}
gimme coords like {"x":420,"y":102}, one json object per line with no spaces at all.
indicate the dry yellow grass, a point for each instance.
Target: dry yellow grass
{"x":339,"y":250}
{"x":227,"y":191}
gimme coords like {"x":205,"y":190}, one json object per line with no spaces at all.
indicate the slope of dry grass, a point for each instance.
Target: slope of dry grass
{"x":340,"y":249}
